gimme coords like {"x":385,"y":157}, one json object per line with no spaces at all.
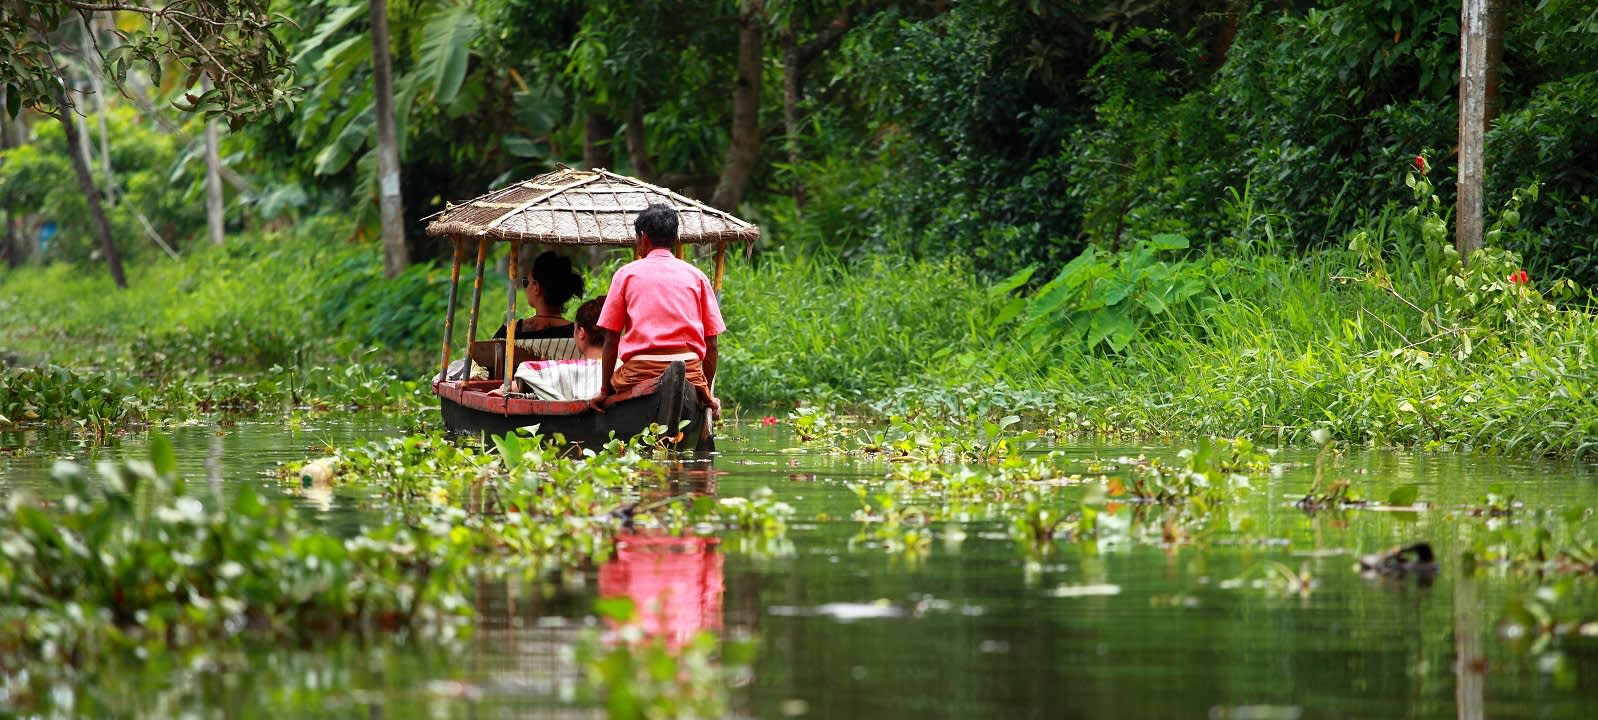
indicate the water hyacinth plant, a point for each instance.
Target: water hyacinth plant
{"x":132,"y":557}
{"x":534,"y":504}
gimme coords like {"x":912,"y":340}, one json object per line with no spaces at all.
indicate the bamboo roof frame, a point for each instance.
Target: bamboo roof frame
{"x":583,"y":207}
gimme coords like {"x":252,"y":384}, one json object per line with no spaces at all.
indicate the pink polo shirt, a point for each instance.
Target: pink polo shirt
{"x":661,"y":303}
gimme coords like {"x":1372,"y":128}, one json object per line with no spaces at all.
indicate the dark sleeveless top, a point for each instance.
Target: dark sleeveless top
{"x":556,"y":332}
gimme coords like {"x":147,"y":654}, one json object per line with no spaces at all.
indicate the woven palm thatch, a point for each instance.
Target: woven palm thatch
{"x":583,"y":207}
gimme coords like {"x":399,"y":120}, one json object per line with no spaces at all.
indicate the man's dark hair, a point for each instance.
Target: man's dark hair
{"x":587,"y":318}
{"x":659,"y":223}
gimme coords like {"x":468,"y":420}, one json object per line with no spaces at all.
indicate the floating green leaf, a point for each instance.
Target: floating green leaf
{"x":1403,"y":496}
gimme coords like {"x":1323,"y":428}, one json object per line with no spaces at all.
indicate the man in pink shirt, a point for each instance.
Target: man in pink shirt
{"x":659,"y":309}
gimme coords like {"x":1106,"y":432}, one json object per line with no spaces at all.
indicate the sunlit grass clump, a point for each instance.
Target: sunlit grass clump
{"x":1387,"y":342}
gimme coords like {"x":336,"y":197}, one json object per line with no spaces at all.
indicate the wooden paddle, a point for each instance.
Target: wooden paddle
{"x":707,"y":435}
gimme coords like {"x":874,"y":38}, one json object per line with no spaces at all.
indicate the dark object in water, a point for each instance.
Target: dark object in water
{"x":1413,"y":559}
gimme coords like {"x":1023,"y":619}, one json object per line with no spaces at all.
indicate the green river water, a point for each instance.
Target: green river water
{"x":1124,"y":629}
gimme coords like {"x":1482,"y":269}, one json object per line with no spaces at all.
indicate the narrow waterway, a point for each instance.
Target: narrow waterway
{"x":1150,"y":621}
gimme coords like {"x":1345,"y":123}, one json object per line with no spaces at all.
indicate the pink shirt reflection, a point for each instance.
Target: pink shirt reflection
{"x":675,"y":582}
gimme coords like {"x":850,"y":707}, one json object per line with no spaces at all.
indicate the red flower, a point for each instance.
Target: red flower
{"x":1420,"y":163}
{"x":768,"y":420}
{"x":1519,"y":277}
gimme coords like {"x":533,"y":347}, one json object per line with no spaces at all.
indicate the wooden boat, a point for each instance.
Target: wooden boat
{"x":567,"y":208}
{"x":665,"y":401}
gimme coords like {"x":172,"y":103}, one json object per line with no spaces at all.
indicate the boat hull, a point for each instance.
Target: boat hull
{"x":666,"y":401}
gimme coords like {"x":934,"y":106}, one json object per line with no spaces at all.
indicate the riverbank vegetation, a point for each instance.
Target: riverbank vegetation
{"x":1386,"y":341}
{"x":1167,"y":220}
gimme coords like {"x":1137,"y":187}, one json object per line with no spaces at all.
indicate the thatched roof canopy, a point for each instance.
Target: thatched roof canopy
{"x":582,"y":207}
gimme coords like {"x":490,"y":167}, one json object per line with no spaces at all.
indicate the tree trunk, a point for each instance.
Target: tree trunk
{"x":395,"y":255}
{"x":12,"y":249}
{"x":97,"y":86}
{"x":102,"y":228}
{"x":744,"y":147}
{"x":638,"y":144}
{"x":792,"y":91}
{"x":1225,"y":36}
{"x":1472,"y":94}
{"x":598,"y":131}
{"x":1495,"y":59}
{"x":214,"y":209}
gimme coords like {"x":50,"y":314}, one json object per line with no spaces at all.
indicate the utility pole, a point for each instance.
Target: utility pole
{"x":1472,"y":125}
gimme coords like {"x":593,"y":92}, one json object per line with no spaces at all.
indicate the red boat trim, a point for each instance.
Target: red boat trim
{"x":474,"y":394}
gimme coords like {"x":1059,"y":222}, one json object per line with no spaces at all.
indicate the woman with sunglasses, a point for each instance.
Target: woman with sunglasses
{"x":551,"y":284}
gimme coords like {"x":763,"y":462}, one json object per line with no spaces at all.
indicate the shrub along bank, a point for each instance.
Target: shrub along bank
{"x":264,"y":321}
{"x":1385,"y":341}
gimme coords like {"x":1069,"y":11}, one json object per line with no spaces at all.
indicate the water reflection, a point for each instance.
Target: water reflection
{"x":675,"y":583}
{"x":1162,"y":621}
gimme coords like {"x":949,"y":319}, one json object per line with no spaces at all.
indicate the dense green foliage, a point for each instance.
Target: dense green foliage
{"x":157,"y":182}
{"x":1388,"y":342}
{"x":1011,"y":132}
{"x":1385,"y":342}
{"x":246,"y":326}
{"x":1173,"y":217}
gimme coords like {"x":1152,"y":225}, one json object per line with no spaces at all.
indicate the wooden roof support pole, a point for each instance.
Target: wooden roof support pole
{"x":510,"y":315}
{"x":721,"y":263}
{"x":449,"y":315}
{"x":477,"y":290}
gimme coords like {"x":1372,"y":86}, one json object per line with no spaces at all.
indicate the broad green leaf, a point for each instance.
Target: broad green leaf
{"x":523,"y":147}
{"x":1168,"y":241}
{"x":1107,"y":324}
{"x":337,"y":154}
{"x":1010,"y":311}
{"x":1009,"y":284}
{"x":620,"y":609}
{"x":351,"y":54}
{"x":446,"y":49}
{"x":1403,"y":496}
{"x":330,"y":26}
{"x":1122,"y":336}
{"x":162,"y":456}
{"x":1152,"y":302}
{"x":1114,"y":291}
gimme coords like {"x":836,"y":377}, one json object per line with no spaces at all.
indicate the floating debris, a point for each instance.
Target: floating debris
{"x":1416,"y":558}
{"x":1073,"y":591}
{"x":843,"y":611}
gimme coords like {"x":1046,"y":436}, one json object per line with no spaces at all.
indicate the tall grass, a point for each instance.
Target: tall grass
{"x":1391,"y":348}
{"x":810,"y":327}
{"x":261,"y":300}
{"x":1277,"y":347}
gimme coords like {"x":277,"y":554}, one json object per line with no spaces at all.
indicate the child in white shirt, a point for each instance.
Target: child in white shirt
{"x":577,"y":379}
